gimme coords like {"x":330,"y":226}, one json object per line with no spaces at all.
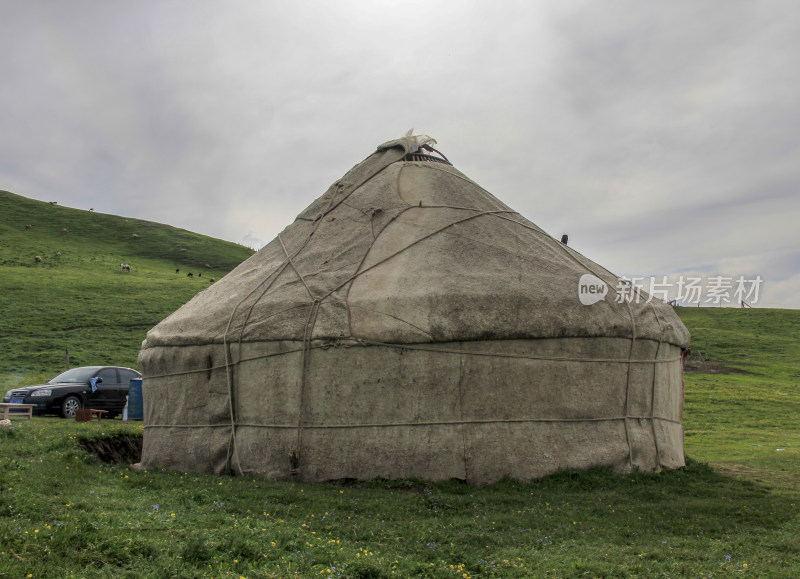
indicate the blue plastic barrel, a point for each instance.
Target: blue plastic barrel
{"x":135,"y":404}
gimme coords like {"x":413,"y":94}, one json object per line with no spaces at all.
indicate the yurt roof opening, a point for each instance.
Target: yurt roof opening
{"x":410,"y":324}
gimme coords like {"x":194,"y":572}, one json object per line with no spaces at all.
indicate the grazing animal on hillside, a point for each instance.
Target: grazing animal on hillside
{"x":212,"y":280}
{"x":177,"y":270}
{"x":37,"y":259}
{"x":64,"y":231}
{"x":27,"y":227}
{"x":125,"y":267}
{"x":58,"y":254}
{"x":135,"y":236}
{"x":200,"y":274}
{"x":190,"y":274}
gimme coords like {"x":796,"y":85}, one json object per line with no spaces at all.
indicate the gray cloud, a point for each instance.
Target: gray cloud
{"x":661,"y":136}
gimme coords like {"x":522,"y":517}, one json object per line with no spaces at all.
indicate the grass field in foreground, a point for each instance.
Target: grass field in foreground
{"x":732,"y":512}
{"x":65,"y":513}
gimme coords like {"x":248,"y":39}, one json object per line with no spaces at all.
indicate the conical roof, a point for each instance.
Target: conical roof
{"x":404,"y":249}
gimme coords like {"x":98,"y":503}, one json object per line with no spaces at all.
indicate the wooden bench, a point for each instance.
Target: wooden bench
{"x":85,"y":414}
{"x":25,"y":410}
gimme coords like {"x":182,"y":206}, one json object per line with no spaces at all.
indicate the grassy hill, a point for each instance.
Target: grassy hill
{"x":759,"y":337}
{"x":742,"y":398}
{"x":78,"y":298}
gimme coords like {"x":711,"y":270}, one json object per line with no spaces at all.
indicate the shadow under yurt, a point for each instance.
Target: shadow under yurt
{"x":409,"y":324}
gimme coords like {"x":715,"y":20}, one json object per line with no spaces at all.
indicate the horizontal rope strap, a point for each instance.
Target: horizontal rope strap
{"x":425,"y":423}
{"x":226,"y":425}
{"x":665,"y":419}
{"x":224,"y":367}
{"x":521,"y":356}
{"x":362,"y":343}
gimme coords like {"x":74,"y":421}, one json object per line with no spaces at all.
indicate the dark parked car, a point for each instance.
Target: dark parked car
{"x":96,"y":387}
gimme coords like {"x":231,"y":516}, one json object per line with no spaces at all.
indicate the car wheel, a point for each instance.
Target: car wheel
{"x":70,"y":406}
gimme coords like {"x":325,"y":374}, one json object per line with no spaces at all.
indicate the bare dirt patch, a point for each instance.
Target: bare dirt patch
{"x":123,"y":448}
{"x":694,"y":365}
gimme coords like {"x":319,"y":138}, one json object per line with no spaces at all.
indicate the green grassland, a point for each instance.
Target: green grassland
{"x":77,"y":298}
{"x":64,"y":512}
{"x":738,"y":421}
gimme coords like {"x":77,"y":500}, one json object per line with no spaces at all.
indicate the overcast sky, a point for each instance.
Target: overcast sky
{"x":663,"y":137}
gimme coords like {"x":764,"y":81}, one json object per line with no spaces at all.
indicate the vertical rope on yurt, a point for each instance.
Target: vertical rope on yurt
{"x":626,"y":407}
{"x":628,"y":383}
{"x":343,"y":190}
{"x":294,"y":454}
{"x":229,"y":367}
{"x":653,"y":391}
{"x":294,"y":457}
{"x":271,"y":278}
{"x":462,"y":426}
{"x":232,"y":448}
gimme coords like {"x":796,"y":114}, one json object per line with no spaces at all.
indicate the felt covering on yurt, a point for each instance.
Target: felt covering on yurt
{"x":409,"y":324}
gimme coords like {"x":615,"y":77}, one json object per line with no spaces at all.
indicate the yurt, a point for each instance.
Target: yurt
{"x":409,"y":324}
